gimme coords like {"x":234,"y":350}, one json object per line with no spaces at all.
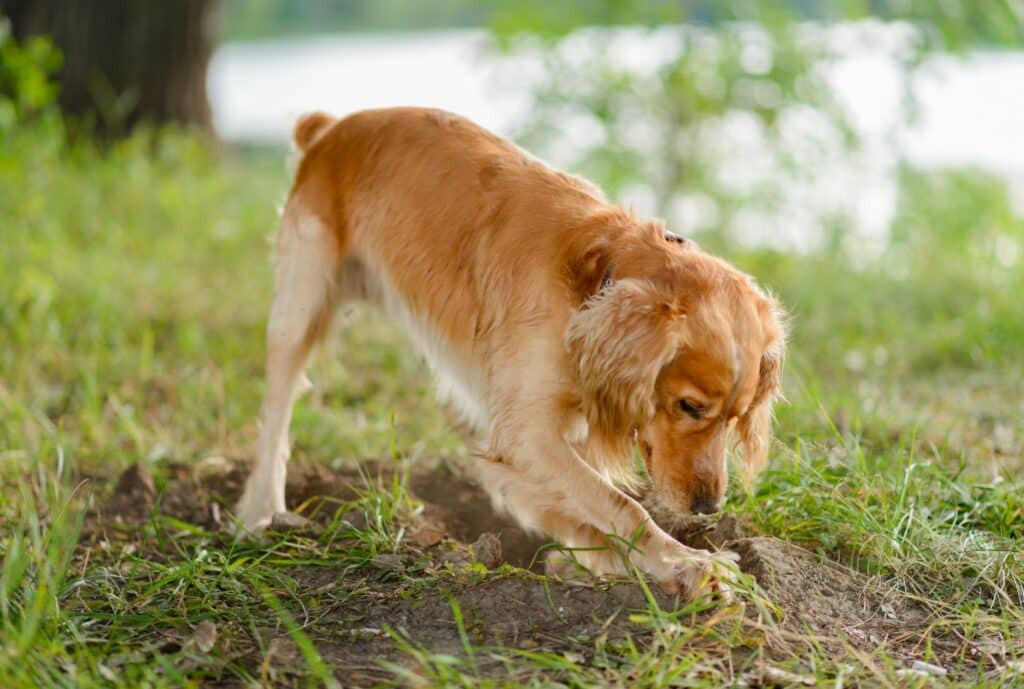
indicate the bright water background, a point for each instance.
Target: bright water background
{"x":971,"y":107}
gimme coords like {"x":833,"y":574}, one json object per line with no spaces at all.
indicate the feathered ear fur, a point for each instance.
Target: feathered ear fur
{"x":755,"y":427}
{"x":618,"y":342}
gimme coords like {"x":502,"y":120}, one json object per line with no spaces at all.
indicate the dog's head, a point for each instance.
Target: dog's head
{"x":675,"y":351}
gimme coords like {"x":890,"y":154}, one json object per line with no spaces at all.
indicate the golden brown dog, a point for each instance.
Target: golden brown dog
{"x":565,"y":331}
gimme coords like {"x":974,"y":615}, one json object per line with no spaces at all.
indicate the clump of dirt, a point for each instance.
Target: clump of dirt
{"x":466,"y":513}
{"x":816,"y":601}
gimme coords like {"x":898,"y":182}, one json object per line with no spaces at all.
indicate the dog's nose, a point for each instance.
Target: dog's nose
{"x":705,"y":504}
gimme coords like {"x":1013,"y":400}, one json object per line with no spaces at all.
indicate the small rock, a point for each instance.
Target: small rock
{"x":487,"y":550}
{"x":289,"y":522}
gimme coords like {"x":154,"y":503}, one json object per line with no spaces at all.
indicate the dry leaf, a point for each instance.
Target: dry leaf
{"x":427,"y":535}
{"x":205,"y":636}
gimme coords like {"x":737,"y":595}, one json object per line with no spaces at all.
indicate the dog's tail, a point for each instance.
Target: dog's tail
{"x":309,"y":128}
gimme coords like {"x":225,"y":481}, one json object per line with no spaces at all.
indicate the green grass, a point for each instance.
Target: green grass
{"x":134,"y":289}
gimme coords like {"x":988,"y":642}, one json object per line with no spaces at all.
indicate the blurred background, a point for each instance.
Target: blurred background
{"x":863,"y":158}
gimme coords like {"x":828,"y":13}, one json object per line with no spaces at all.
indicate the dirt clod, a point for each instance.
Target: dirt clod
{"x":389,"y":563}
{"x":289,"y":522}
{"x":487,"y":550}
{"x":426,"y":534}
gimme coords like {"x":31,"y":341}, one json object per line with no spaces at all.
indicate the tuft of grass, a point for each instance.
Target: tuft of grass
{"x":35,"y":554}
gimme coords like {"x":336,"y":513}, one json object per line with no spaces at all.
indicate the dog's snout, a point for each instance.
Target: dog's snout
{"x":705,"y":504}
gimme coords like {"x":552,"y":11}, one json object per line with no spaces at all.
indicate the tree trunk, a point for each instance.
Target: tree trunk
{"x":126,"y":62}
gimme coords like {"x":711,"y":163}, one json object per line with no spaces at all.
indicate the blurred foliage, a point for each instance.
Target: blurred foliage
{"x":262,"y":18}
{"x":947,"y":25}
{"x":26,"y":71}
{"x":665,"y":122}
{"x":953,"y":22}
{"x":717,"y":111}
{"x":939,"y":294}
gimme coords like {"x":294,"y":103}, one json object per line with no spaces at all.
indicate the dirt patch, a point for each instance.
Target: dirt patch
{"x":814,"y":601}
{"x":501,"y":611}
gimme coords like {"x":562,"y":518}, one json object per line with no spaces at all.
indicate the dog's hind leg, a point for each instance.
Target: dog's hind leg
{"x":306,"y":295}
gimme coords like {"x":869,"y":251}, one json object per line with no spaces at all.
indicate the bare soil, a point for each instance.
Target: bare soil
{"x":809,"y":598}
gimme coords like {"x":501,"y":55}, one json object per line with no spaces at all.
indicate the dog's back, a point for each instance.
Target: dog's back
{"x":450,"y":225}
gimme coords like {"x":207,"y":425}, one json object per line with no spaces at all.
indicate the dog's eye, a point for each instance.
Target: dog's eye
{"x":691,"y":409}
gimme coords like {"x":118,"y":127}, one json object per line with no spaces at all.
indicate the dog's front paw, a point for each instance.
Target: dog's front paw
{"x":700,"y":573}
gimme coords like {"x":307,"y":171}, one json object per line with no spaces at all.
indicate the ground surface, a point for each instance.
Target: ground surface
{"x":461,"y":580}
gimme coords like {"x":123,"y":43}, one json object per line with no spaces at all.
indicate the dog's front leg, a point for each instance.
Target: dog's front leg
{"x":539,"y":479}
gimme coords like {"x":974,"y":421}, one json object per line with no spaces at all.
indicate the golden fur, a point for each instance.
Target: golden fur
{"x":565,"y":331}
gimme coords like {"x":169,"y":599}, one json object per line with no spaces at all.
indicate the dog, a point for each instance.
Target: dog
{"x":562,"y":329}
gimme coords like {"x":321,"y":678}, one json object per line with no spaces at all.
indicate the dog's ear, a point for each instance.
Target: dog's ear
{"x":587,"y":272}
{"x":755,"y":427}
{"x":618,"y":341}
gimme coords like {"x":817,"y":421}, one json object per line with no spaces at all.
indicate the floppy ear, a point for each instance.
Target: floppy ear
{"x":755,"y":427}
{"x":618,"y":342}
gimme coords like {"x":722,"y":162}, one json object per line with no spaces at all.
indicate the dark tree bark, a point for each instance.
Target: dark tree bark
{"x":126,"y":62}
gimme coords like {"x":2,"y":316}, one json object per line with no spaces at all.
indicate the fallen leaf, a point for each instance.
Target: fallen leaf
{"x":205,"y":636}
{"x":427,"y":535}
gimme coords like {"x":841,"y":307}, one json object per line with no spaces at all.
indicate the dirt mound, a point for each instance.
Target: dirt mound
{"x":815,"y":601}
